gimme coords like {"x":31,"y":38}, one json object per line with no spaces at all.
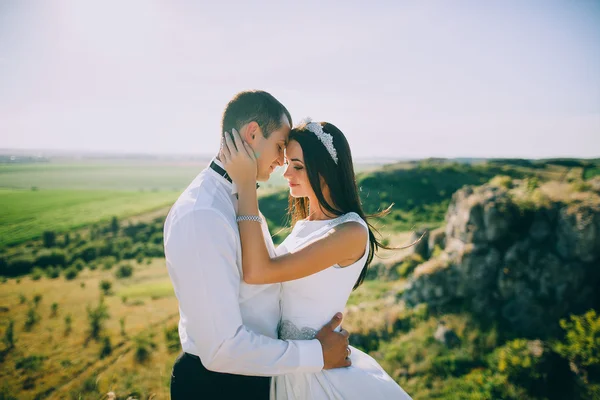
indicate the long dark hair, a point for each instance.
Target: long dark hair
{"x":339,"y":178}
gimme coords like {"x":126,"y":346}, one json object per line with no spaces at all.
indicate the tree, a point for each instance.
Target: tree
{"x":96,"y":318}
{"x":49,"y":238}
{"x":9,"y":335}
{"x":114,"y":225}
{"x":105,"y":287}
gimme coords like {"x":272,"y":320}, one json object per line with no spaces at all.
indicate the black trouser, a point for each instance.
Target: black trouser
{"x":191,"y":380}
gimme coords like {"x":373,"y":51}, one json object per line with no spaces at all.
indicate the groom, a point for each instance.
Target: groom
{"x":227,"y":328}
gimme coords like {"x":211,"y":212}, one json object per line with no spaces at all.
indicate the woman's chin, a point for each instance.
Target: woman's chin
{"x":295,"y":194}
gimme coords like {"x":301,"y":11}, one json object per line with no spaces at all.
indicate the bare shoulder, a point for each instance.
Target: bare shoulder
{"x":350,"y":232}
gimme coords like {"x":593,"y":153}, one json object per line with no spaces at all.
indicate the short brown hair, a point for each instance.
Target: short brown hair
{"x":254,"y":105}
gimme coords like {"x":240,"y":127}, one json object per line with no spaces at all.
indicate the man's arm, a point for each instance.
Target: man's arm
{"x":201,"y":256}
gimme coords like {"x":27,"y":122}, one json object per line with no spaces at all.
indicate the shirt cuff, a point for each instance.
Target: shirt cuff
{"x":311,"y":355}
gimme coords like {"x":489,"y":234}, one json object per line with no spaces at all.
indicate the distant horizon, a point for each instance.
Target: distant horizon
{"x":49,"y":153}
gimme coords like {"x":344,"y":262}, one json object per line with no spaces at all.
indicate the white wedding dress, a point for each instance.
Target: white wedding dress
{"x":308,"y":304}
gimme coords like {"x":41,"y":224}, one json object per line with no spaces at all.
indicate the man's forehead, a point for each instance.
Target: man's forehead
{"x":285,"y":121}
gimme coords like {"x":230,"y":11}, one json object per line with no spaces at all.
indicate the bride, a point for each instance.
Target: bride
{"x":323,"y":259}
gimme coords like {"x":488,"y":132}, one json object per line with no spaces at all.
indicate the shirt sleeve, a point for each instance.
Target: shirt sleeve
{"x":201,"y":248}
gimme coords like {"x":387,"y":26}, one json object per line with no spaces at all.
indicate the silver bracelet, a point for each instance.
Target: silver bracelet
{"x":254,"y":218}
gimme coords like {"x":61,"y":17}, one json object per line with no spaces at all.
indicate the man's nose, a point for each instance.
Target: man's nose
{"x":280,"y":160}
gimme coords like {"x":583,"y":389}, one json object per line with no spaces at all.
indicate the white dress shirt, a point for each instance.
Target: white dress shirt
{"x":230,"y":325}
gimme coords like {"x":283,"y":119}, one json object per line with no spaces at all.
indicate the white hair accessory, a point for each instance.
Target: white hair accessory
{"x":324,"y":137}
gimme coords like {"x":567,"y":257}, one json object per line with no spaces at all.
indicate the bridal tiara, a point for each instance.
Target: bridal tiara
{"x":324,"y":137}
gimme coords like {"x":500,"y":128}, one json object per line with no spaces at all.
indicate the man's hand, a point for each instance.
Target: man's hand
{"x":336,"y":353}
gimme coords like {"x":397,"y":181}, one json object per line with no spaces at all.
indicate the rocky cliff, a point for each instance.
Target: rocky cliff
{"x":516,"y":253}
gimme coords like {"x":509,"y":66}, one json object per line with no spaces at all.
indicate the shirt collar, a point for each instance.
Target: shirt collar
{"x":231,"y":185}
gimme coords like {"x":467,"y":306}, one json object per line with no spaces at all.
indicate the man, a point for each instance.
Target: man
{"x":228,"y":329}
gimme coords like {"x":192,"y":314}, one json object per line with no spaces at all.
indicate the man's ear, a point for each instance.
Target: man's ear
{"x":250,"y":132}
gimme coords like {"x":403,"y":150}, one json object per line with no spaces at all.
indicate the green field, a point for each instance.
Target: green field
{"x":65,"y":195}
{"x":26,"y":214}
{"x":94,"y":175}
{"x":118,"y":175}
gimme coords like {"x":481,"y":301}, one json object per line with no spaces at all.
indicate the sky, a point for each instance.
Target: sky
{"x":401,"y":79}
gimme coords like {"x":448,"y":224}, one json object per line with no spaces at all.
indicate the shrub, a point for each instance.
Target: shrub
{"x":31,"y":319}
{"x":70,"y":273}
{"x":66,"y":239}
{"x":106,"y":347}
{"x":47,"y":257}
{"x":36,"y":299}
{"x":22,"y":298}
{"x":68,"y":324}
{"x":143,"y":346}
{"x":172,"y":338}
{"x":482,"y":384}
{"x":122,"y":325}
{"x":49,"y":239}
{"x":9,"y":335}
{"x":502,"y":181}
{"x":37,"y":274}
{"x":31,"y":363}
{"x":79,"y":264}
{"x":54,"y":309}
{"x":124,"y":271}
{"x":88,"y":252}
{"x":453,"y":364}
{"x":105,"y":287}
{"x":581,"y":345}
{"x":532,"y":366}
{"x":114,"y":225}
{"x":408,"y":265}
{"x":154,"y":250}
{"x":96,"y":318}
{"x":108,"y":262}
{"x":133,"y":251}
{"x":20,"y":265}
{"x":52,"y":272}
{"x":156,"y":238}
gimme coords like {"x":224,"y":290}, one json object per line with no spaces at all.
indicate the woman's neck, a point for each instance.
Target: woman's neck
{"x":316,"y":212}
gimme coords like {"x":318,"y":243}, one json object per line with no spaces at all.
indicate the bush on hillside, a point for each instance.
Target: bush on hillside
{"x":70,"y":273}
{"x":47,"y":257}
{"x":124,"y":271}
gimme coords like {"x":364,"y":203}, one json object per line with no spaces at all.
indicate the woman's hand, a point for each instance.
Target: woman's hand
{"x":238,"y":159}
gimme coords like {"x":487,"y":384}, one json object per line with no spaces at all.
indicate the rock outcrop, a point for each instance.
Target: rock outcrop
{"x":525,"y":257}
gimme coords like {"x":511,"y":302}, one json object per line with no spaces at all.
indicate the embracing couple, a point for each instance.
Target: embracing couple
{"x":259,"y":322}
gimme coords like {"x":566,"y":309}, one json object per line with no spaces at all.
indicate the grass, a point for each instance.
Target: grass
{"x":153,"y":290}
{"x":27,"y":214}
{"x":68,"y":367}
{"x":90,"y":175}
{"x":66,"y":361}
{"x":127,"y":175}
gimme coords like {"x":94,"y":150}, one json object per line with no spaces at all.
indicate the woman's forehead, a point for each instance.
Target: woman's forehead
{"x":293,"y":150}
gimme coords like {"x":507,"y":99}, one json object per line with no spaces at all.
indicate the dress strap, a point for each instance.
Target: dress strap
{"x":348,"y":217}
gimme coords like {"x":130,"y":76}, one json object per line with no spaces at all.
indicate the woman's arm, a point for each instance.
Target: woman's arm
{"x":343,"y":243}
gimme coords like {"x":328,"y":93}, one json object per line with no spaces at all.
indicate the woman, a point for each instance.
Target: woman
{"x":323,"y":259}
